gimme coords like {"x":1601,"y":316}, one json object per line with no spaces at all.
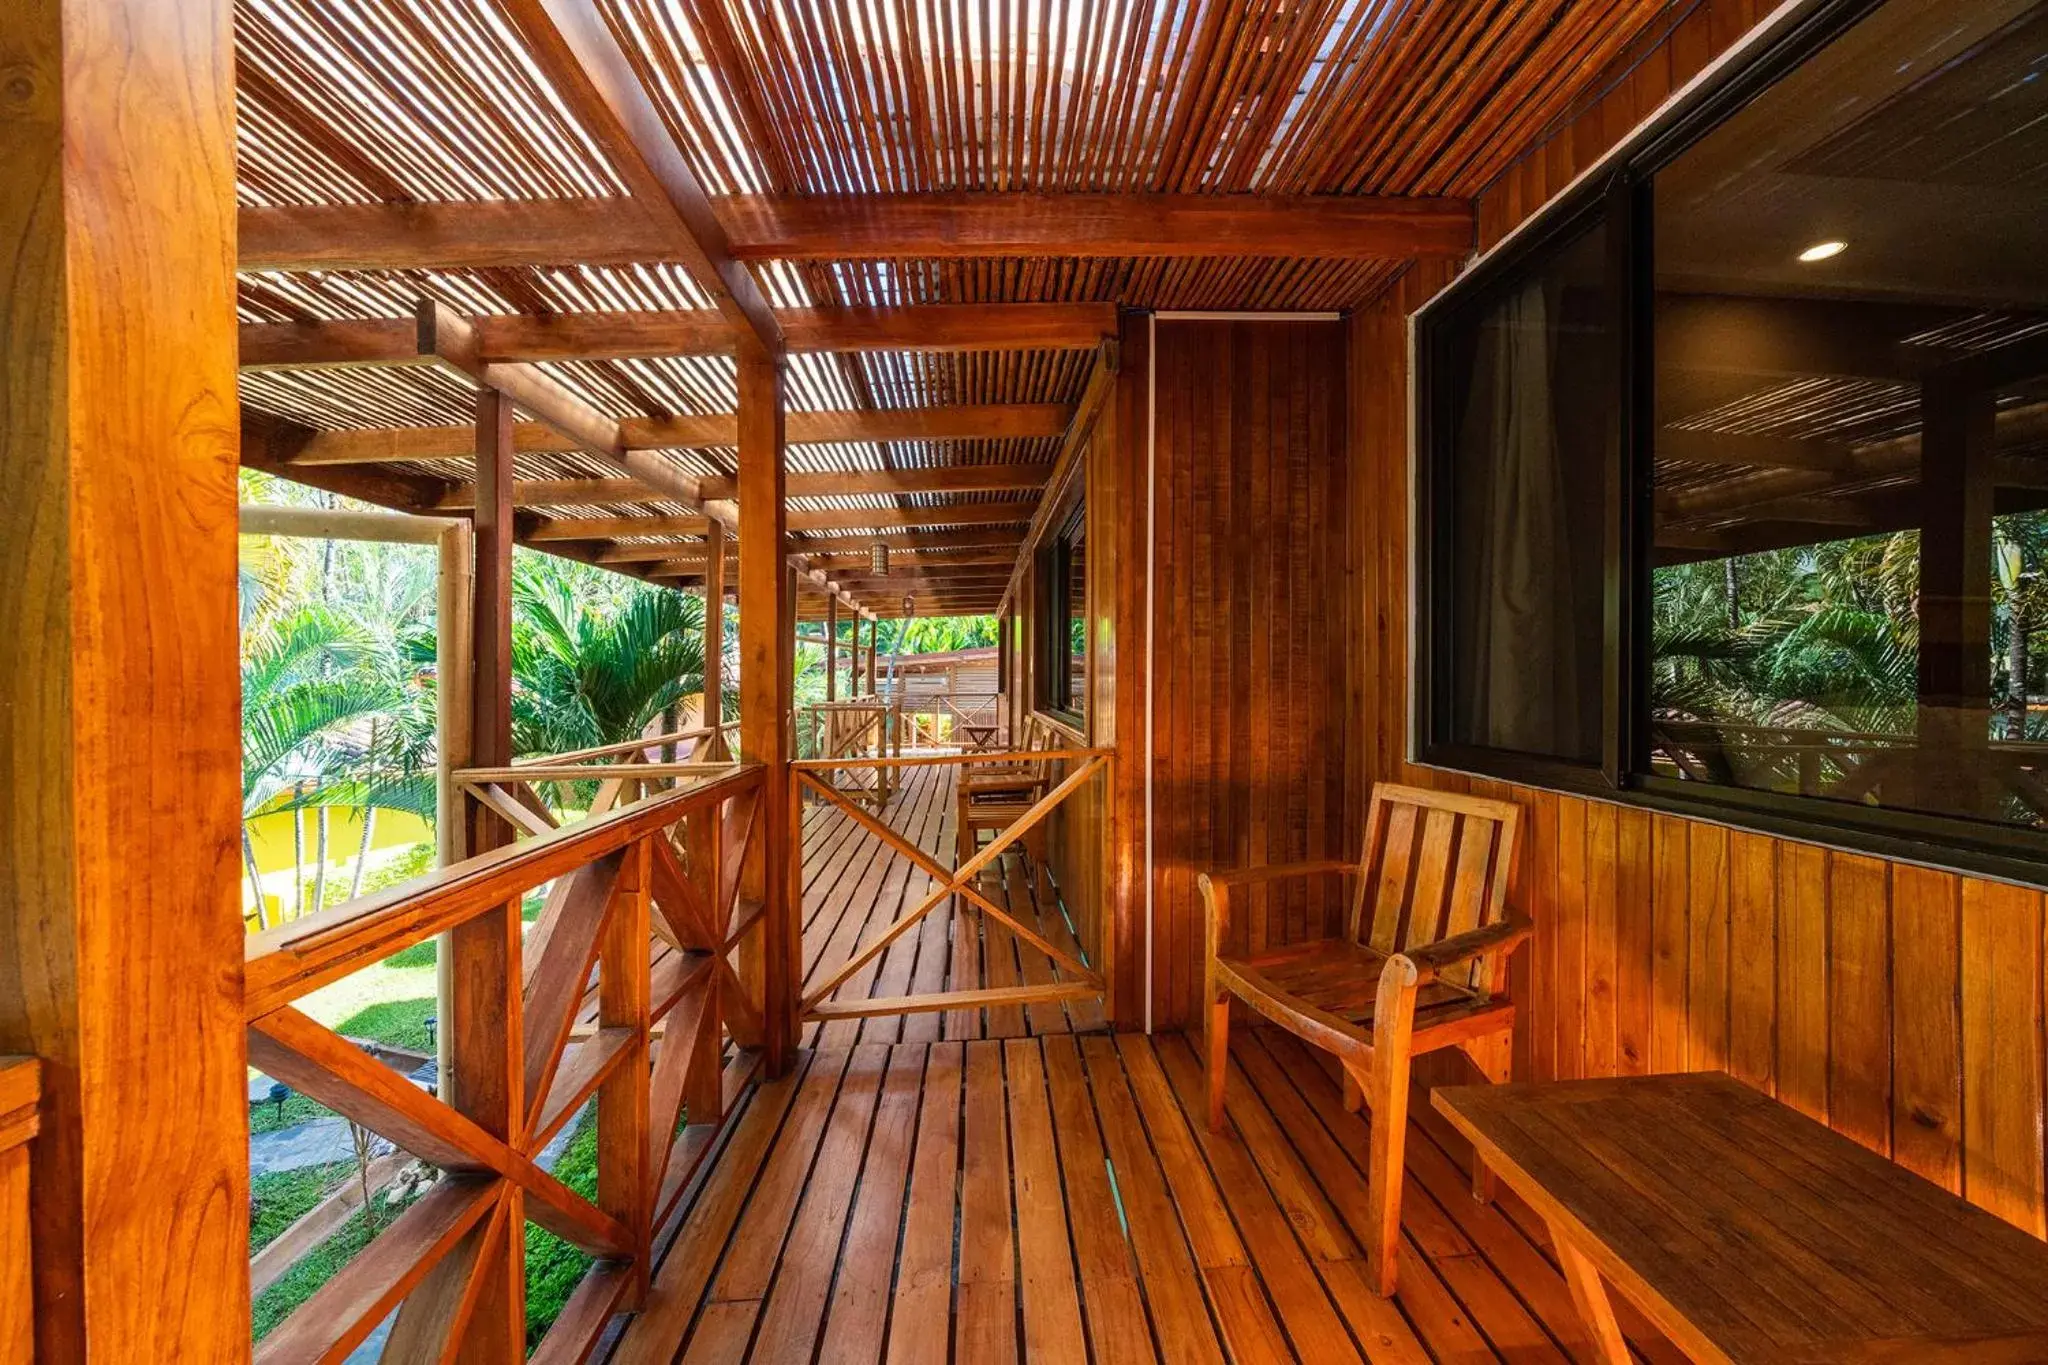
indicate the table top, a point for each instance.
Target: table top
{"x":1749,"y":1232}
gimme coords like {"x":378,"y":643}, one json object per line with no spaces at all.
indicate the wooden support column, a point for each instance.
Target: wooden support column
{"x":831,"y":647}
{"x":1957,"y":445}
{"x":714,"y":638}
{"x":767,"y":662}
{"x":481,"y":968}
{"x":120,"y":918}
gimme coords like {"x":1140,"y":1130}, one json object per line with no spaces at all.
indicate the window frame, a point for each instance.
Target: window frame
{"x":1596,"y":203}
{"x":1620,"y":186}
{"x":1054,"y":611}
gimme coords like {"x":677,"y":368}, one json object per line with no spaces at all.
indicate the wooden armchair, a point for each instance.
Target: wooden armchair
{"x":991,"y":795}
{"x":1421,"y":966}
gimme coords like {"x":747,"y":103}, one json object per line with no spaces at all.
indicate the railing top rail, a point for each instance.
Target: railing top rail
{"x":542,"y":771}
{"x":626,"y":746}
{"x":819,"y":765}
{"x":286,"y":962}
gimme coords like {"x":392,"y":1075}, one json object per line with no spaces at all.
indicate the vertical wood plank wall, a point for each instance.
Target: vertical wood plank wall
{"x":1251,"y":546}
{"x":1902,"y":1006}
{"x":1094,"y":841}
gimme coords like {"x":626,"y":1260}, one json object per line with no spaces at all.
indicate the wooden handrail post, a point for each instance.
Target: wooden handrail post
{"x":767,"y":666}
{"x":120,"y":893}
{"x":479,"y":968}
{"x":625,"y":1189}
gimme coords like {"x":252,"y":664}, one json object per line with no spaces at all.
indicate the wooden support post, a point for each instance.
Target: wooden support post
{"x":120,"y":894}
{"x":1957,"y":445}
{"x":624,"y":1144}
{"x":481,"y":968}
{"x":767,"y":665}
{"x":714,"y":639}
{"x":831,"y":647}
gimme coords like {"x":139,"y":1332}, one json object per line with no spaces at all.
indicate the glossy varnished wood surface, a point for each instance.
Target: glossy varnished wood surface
{"x":1059,"y":1198}
{"x":1751,"y":1233}
{"x":1900,"y":1005}
{"x":120,"y":930}
{"x":1251,"y":542}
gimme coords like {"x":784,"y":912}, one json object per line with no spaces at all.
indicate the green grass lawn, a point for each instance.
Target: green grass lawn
{"x":553,"y":1266}
{"x":281,"y":1198}
{"x":317,"y":1267}
{"x":395,"y":1022}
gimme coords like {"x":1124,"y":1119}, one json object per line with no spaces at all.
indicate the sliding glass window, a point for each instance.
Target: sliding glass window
{"x":1524,"y":412}
{"x":1734,"y":480}
{"x":1851,"y":426}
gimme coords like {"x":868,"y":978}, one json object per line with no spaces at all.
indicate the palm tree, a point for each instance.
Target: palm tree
{"x":594,"y":663}
{"x":304,"y":693}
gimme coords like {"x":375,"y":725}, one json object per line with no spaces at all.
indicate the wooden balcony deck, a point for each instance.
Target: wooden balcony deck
{"x":1058,"y":1198}
{"x":855,"y":885}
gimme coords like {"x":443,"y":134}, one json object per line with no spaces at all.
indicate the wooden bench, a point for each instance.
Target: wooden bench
{"x":1748,"y":1232}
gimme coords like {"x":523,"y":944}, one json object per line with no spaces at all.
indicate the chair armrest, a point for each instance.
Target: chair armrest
{"x":1432,"y":959}
{"x":1216,"y":888}
{"x":1252,"y":876}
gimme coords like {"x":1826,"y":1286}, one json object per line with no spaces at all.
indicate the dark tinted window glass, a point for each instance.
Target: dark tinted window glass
{"x":1527,"y":425}
{"x":1061,"y":647}
{"x":1850,"y":592}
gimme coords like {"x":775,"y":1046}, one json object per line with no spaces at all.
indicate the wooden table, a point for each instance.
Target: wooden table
{"x":1748,"y":1232}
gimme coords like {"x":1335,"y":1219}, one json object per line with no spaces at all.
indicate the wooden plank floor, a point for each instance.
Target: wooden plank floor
{"x":855,"y":885}
{"x":1057,"y":1198}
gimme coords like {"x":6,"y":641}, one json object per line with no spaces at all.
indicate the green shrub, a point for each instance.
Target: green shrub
{"x":553,"y":1266}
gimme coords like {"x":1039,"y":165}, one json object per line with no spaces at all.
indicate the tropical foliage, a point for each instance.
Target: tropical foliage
{"x":339,"y":689}
{"x":1826,"y":638}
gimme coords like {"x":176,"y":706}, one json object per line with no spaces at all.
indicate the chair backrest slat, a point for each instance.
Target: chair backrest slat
{"x":1432,"y":872}
{"x":1435,"y":864}
{"x":1390,"y":888}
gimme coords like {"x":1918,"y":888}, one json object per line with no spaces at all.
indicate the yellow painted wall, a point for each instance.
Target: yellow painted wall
{"x":271,"y":835}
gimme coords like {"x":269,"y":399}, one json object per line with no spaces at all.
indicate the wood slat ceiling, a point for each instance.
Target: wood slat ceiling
{"x":443,"y":102}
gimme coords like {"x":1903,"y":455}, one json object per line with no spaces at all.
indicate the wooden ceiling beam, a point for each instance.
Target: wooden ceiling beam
{"x":651,"y":551}
{"x":970,"y":422}
{"x":943,"y":479}
{"x":938,"y":327}
{"x":913,"y":541}
{"x":581,"y":57}
{"x":613,"y":528}
{"x":820,"y":227}
{"x":448,"y":337}
{"x":272,"y":444}
{"x":841,"y":227}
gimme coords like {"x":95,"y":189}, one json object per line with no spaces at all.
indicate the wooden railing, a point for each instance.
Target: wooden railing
{"x":1847,"y":765}
{"x":645,"y":895}
{"x":933,"y":720}
{"x":21,"y":1093}
{"x":1079,"y":979}
{"x":862,"y":727}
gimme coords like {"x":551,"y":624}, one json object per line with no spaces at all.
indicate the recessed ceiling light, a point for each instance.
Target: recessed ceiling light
{"x":1820,"y":251}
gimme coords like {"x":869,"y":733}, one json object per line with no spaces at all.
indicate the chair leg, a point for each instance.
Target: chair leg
{"x":1386,"y":1090}
{"x":1494,"y":1055}
{"x":1217,"y":1054}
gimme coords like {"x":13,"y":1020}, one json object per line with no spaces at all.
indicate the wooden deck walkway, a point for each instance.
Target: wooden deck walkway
{"x":855,"y":885}
{"x":1058,"y":1199}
